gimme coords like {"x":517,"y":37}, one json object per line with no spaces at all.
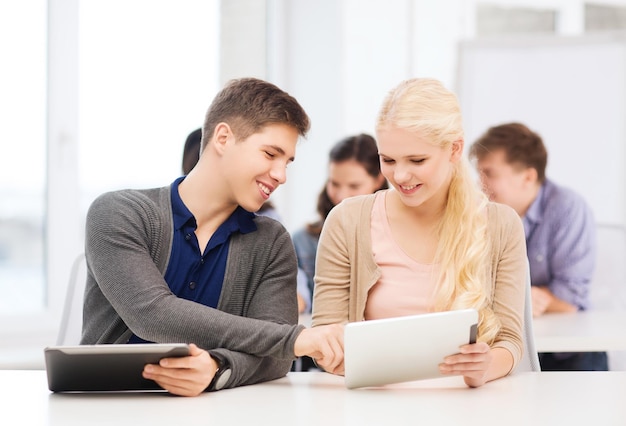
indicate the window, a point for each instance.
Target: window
{"x":497,"y":20}
{"x":101,"y":95}
{"x":600,"y":17}
{"x":142,"y":91}
{"x":22,"y":156}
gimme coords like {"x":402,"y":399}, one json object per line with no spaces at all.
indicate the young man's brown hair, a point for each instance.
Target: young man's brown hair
{"x":249,"y":104}
{"x":522,"y":147}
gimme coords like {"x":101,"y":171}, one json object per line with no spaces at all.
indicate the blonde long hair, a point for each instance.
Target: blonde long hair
{"x":426,"y":107}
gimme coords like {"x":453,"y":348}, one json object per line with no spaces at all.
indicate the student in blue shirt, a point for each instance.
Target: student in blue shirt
{"x":190,"y":262}
{"x":558,"y":223}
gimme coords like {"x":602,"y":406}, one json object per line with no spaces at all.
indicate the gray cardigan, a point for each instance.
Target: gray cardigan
{"x":127,"y":246}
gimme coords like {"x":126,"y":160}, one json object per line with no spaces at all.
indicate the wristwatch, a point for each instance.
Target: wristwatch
{"x":222,"y":374}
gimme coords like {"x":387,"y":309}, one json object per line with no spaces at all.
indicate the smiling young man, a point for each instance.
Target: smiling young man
{"x":191,"y":262}
{"x":558,"y":223}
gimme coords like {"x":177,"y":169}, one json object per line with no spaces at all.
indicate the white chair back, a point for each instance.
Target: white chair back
{"x":72,"y":317}
{"x":608,"y":286}
{"x":530,"y":357}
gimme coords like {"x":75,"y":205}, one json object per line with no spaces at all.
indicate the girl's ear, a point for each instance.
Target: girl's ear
{"x":457,"y":150}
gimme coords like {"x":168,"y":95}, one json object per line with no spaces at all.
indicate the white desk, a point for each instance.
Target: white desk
{"x":588,"y":331}
{"x":575,"y":398}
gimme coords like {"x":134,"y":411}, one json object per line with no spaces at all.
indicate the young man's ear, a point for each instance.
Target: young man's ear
{"x":531,"y":175}
{"x":221,"y":134}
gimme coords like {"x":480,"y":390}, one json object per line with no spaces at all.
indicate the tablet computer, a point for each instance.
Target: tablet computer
{"x":103,"y":368}
{"x":402,"y":349}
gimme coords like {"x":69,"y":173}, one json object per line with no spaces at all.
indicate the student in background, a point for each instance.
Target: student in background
{"x":559,"y":227}
{"x":191,"y":154}
{"x":353,"y":169}
{"x":432,"y":242}
{"x":190,"y":262}
{"x":191,"y":150}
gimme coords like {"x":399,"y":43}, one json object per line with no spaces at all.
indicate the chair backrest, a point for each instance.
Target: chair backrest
{"x":72,"y":317}
{"x":530,"y":357}
{"x":608,"y":285}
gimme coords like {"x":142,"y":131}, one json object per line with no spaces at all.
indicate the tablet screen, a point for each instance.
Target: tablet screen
{"x":104,"y":368}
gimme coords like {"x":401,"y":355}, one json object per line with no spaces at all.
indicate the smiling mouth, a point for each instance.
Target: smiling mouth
{"x":408,"y":188}
{"x":265,"y":189}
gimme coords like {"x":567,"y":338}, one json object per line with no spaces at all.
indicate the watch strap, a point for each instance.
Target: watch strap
{"x":222,"y":374}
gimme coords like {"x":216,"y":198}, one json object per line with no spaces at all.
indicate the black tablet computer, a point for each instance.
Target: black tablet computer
{"x":104,"y":368}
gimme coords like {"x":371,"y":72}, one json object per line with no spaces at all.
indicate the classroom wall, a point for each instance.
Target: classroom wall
{"x":572,"y":92}
{"x":339,"y":59}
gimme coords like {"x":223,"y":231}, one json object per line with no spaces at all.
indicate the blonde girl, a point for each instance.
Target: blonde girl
{"x":432,"y":242}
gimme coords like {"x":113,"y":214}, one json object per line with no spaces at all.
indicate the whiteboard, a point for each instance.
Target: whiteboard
{"x":570,"y":90}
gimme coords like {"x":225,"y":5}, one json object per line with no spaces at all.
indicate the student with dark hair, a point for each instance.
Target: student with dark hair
{"x":558,"y":223}
{"x":190,"y":262}
{"x":353,"y":169}
{"x":191,"y":150}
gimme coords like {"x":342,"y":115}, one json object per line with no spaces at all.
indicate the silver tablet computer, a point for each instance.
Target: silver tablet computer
{"x":394,"y":350}
{"x":103,"y":368}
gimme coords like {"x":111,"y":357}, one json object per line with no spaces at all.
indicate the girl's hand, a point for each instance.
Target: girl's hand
{"x":472,"y":362}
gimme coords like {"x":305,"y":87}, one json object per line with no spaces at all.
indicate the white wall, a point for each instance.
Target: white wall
{"x":572,"y":92}
{"x":340,"y":57}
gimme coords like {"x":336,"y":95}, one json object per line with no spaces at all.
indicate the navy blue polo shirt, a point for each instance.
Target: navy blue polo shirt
{"x":193,"y":275}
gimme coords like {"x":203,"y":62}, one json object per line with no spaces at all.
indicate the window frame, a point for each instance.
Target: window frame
{"x":24,"y":336}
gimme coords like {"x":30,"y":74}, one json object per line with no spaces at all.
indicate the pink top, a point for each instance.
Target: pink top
{"x":405,"y":286}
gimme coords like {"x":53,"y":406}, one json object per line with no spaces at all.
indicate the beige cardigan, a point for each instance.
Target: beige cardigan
{"x":345,"y":268}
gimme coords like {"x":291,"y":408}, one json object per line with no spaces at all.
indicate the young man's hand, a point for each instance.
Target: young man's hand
{"x":185,"y":376}
{"x":324,"y":344}
{"x":541,"y":300}
{"x":545,"y":301}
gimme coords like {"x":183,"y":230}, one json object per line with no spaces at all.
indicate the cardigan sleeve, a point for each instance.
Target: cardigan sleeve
{"x":126,"y":291}
{"x":509,"y":277}
{"x":331,"y":302}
